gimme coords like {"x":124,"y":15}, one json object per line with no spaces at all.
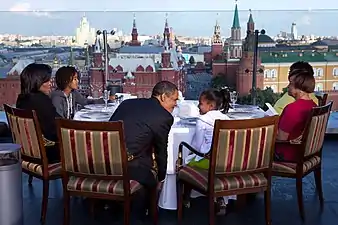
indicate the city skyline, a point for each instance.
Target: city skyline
{"x":18,"y":16}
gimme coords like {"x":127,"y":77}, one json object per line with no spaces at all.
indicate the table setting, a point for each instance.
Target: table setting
{"x":97,"y":112}
{"x":186,"y":115}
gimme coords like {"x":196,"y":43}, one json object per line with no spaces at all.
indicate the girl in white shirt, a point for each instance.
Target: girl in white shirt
{"x":213,"y":105}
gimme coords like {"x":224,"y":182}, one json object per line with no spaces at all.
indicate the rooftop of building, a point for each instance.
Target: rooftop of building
{"x":289,"y":57}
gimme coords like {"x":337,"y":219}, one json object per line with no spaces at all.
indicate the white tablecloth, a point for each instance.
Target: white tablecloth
{"x":178,"y":133}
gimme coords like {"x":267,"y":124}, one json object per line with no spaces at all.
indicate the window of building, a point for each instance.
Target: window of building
{"x":267,"y":73}
{"x":319,"y":87}
{"x":335,"y":72}
{"x":318,"y":72}
{"x":273,"y":73}
{"x":335,"y":86}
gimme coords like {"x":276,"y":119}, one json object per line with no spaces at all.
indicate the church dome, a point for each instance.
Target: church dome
{"x":265,"y":41}
{"x":263,"y":38}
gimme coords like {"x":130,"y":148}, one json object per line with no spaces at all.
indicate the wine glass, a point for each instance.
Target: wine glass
{"x":233,"y":98}
{"x":106,"y":98}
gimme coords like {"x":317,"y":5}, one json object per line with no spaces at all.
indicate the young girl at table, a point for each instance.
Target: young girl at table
{"x":66,"y":97}
{"x":213,"y":105}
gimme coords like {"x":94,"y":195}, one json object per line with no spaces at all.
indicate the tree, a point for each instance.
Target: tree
{"x":262,"y":96}
{"x":218,"y":81}
{"x":192,"y":60}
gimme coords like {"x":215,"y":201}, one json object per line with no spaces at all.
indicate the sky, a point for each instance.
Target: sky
{"x":192,"y":17}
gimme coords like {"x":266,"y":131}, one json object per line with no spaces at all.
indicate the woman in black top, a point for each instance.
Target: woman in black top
{"x":35,"y":90}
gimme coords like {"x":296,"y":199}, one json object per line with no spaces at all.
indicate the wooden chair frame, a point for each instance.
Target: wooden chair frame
{"x":228,"y":124}
{"x":127,"y":197}
{"x":300,"y":159}
{"x":30,"y":114}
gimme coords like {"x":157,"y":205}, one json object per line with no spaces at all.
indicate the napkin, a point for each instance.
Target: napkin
{"x":271,"y":111}
{"x":186,"y":109}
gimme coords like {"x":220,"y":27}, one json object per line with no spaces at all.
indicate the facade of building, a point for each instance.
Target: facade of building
{"x":85,"y":35}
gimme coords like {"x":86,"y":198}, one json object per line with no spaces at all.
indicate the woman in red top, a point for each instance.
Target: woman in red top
{"x":293,"y":119}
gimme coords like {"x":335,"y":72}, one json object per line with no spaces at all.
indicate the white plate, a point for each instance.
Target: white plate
{"x":189,"y":120}
{"x":96,"y":115}
{"x":243,"y":115}
{"x":98,"y":106}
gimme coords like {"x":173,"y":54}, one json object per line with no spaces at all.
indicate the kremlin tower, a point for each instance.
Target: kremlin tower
{"x":134,"y":35}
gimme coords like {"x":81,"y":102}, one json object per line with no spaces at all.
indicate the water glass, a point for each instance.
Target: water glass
{"x":233,"y":98}
{"x":106,"y":94}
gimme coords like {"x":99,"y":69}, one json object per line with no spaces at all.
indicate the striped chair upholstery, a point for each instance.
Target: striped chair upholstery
{"x":97,"y":153}
{"x":24,"y":133}
{"x":241,"y":150}
{"x":314,"y":143}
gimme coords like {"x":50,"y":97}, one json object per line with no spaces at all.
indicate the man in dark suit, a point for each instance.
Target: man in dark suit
{"x":147,"y":123}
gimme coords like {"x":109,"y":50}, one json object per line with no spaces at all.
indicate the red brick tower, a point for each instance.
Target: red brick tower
{"x":134,"y":35}
{"x":96,"y":72}
{"x":245,"y":70}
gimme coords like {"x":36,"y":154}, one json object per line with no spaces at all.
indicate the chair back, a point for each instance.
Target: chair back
{"x":322,"y":98}
{"x":26,"y":131}
{"x":92,"y":149}
{"x":314,"y":132}
{"x":243,"y":145}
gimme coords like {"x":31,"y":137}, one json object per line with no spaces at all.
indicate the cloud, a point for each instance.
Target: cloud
{"x":26,"y":9}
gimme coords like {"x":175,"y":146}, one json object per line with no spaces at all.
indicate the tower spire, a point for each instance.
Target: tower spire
{"x":251,"y":23}
{"x":134,"y":21}
{"x":216,"y":39}
{"x":134,"y":34}
{"x":166,"y":32}
{"x":235,"y":22}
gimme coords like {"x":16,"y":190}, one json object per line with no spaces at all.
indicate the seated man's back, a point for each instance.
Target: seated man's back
{"x":146,"y":126}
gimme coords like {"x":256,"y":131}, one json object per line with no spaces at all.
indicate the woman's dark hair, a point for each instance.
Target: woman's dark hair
{"x":301,"y":65}
{"x":33,"y":76}
{"x":303,"y":80}
{"x":64,"y":76}
{"x":221,"y":98}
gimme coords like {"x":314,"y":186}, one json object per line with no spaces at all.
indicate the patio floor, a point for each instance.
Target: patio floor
{"x":284,"y":203}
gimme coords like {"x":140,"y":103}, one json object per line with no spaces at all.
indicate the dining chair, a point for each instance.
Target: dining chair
{"x":94,"y":164}
{"x":26,"y":131}
{"x":240,"y":163}
{"x":322,"y":98}
{"x":308,"y":154}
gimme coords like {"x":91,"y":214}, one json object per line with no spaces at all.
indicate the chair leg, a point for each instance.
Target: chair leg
{"x":66,"y":208}
{"x":92,"y":207}
{"x":30,"y":179}
{"x":211,"y":210}
{"x":319,"y":187}
{"x":45,"y":196}
{"x":154,"y":208}
{"x":126,"y":212}
{"x":180,"y":187}
{"x":299,"y":187}
{"x":267,"y":202}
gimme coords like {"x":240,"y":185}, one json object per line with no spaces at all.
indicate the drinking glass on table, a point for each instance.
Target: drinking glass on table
{"x":233,"y":98}
{"x":106,"y":98}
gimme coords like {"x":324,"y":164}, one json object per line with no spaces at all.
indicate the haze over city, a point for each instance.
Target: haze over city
{"x":190,"y":18}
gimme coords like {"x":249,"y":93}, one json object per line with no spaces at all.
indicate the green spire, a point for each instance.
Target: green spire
{"x":71,"y":57}
{"x":235,"y":23}
{"x":250,"y":18}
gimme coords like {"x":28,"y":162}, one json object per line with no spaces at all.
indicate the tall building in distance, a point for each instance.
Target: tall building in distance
{"x":85,"y":34}
{"x":294,"y":34}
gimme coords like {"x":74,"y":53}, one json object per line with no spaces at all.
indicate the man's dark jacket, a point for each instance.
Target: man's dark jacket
{"x":146,"y":126}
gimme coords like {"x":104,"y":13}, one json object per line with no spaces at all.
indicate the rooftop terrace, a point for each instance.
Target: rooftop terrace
{"x":284,"y":203}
